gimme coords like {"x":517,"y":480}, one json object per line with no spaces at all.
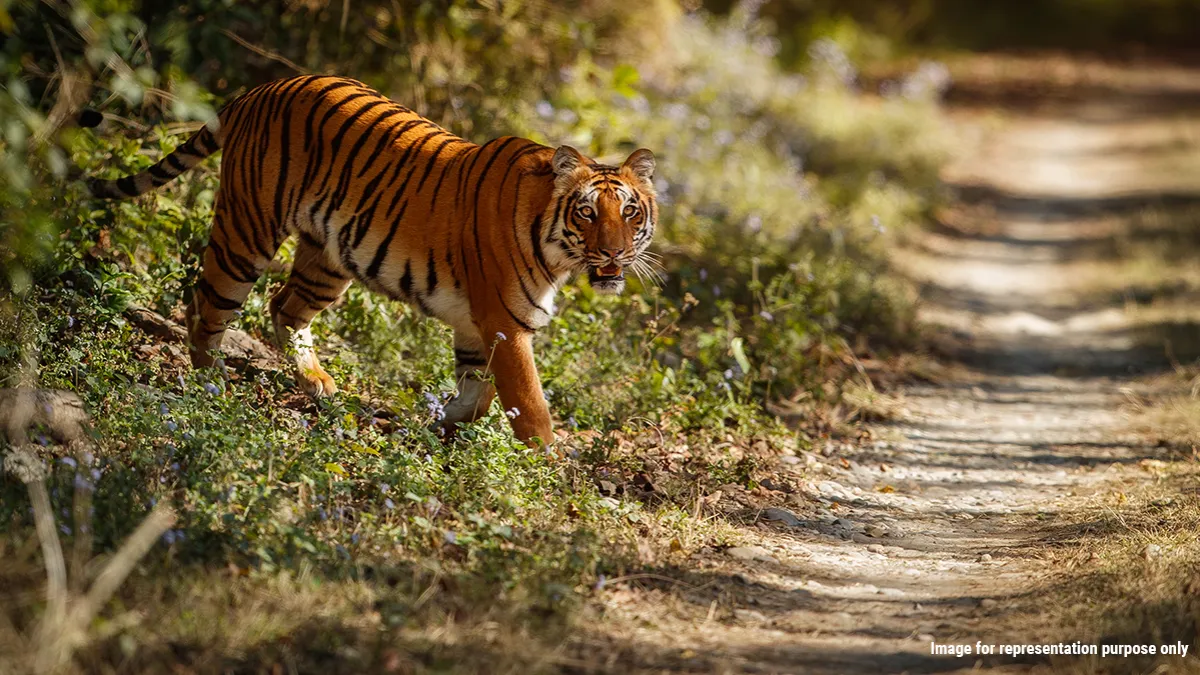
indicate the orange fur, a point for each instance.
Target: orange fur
{"x":479,"y":236}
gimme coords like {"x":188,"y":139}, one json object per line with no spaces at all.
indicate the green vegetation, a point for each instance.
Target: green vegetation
{"x":345,"y":531}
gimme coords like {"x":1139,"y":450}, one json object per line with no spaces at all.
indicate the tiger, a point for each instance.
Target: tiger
{"x":481,"y":237}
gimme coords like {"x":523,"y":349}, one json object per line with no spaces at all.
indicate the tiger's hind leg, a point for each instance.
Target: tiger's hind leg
{"x":314,"y":284}
{"x":233,"y":262}
{"x":475,"y":390}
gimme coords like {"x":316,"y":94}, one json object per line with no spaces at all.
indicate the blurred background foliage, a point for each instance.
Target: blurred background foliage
{"x":879,"y":29}
{"x":781,"y":187}
{"x":783,"y":182}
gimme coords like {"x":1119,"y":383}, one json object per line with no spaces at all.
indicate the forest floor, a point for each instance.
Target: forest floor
{"x":1006,"y":501}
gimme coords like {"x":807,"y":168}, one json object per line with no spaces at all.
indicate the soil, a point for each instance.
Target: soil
{"x":936,"y":531}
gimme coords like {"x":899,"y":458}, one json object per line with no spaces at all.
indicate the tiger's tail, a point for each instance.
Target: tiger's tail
{"x":193,"y":151}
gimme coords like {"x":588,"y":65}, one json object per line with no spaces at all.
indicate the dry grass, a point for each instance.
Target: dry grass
{"x":1132,"y":576}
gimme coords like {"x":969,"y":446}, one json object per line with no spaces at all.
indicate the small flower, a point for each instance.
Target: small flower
{"x":65,"y":529}
{"x":450,"y":537}
{"x":304,"y":424}
{"x":389,"y":504}
{"x":544,"y":109}
{"x":168,"y":537}
{"x":175,"y":466}
{"x":513,"y":414}
{"x":179,"y":379}
{"x":70,"y":321}
{"x":716,"y":291}
{"x":354,"y":538}
{"x":69,"y":461}
{"x":703,"y":274}
{"x":434,"y":404}
{"x":571,"y":422}
{"x":728,"y":373}
{"x":600,"y":582}
{"x":767,"y":316}
{"x":501,"y":337}
{"x":385,"y":488}
{"x":82,"y":483}
{"x":322,"y":514}
{"x":211,"y":388}
{"x":171,"y":426}
{"x":95,"y":474}
{"x":162,"y":409}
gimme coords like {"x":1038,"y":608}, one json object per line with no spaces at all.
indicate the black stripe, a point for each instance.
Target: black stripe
{"x":216,"y":299}
{"x":313,"y":299}
{"x":234,"y":266}
{"x":381,"y":252}
{"x":469,"y":358}
{"x":299,"y":274}
{"x":432,"y":161}
{"x":431,"y":277}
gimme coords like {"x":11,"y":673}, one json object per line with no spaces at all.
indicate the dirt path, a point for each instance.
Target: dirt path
{"x":934,"y":531}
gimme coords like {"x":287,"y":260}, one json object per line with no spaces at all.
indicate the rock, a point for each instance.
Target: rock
{"x":986,"y":557}
{"x":783,"y":516}
{"x":1152,"y":551}
{"x":875,"y":548}
{"x":876,"y":531}
{"x":749,"y":616}
{"x":751,"y":553}
{"x":925,"y":637}
{"x":843,"y":524}
{"x":829,"y":487}
{"x":988,"y":603}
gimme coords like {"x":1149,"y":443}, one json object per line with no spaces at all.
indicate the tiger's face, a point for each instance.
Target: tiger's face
{"x":605,"y":216}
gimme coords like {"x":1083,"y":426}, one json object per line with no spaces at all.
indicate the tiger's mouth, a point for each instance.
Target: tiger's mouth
{"x":607,"y":279}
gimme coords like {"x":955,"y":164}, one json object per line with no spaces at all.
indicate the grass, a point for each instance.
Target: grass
{"x":1131,"y":576}
{"x":344,"y":535}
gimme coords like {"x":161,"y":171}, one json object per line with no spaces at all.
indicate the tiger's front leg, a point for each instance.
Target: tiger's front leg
{"x":475,"y":391}
{"x":519,"y":387}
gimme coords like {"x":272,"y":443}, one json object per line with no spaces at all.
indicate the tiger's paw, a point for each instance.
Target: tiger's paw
{"x":316,"y":382}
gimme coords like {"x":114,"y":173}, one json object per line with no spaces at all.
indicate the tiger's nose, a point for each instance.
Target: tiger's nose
{"x":613,"y":253}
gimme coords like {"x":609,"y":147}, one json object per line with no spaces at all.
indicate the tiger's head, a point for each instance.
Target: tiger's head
{"x":604,"y":216}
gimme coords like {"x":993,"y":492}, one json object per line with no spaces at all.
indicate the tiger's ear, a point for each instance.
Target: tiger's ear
{"x":566,"y":159}
{"x":641,"y":163}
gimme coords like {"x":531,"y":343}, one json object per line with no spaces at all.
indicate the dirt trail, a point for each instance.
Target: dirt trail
{"x":933,"y":532}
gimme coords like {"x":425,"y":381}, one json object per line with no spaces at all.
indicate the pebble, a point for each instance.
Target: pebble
{"x":844,"y":524}
{"x":750,"y":616}
{"x":986,"y":557}
{"x":1152,"y":551}
{"x":783,"y":516}
{"x":988,"y":603}
{"x":750,"y":553}
{"x":925,"y":637}
{"x":876,"y":531}
{"x":875,"y":548}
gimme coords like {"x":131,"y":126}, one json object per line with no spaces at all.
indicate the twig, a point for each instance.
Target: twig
{"x":263,"y":52}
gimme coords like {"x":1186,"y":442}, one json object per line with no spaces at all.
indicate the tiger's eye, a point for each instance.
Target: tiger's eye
{"x":629,"y":211}
{"x":586,"y":212}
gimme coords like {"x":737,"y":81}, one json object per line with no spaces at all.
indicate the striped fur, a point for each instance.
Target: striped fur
{"x":479,"y":236}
